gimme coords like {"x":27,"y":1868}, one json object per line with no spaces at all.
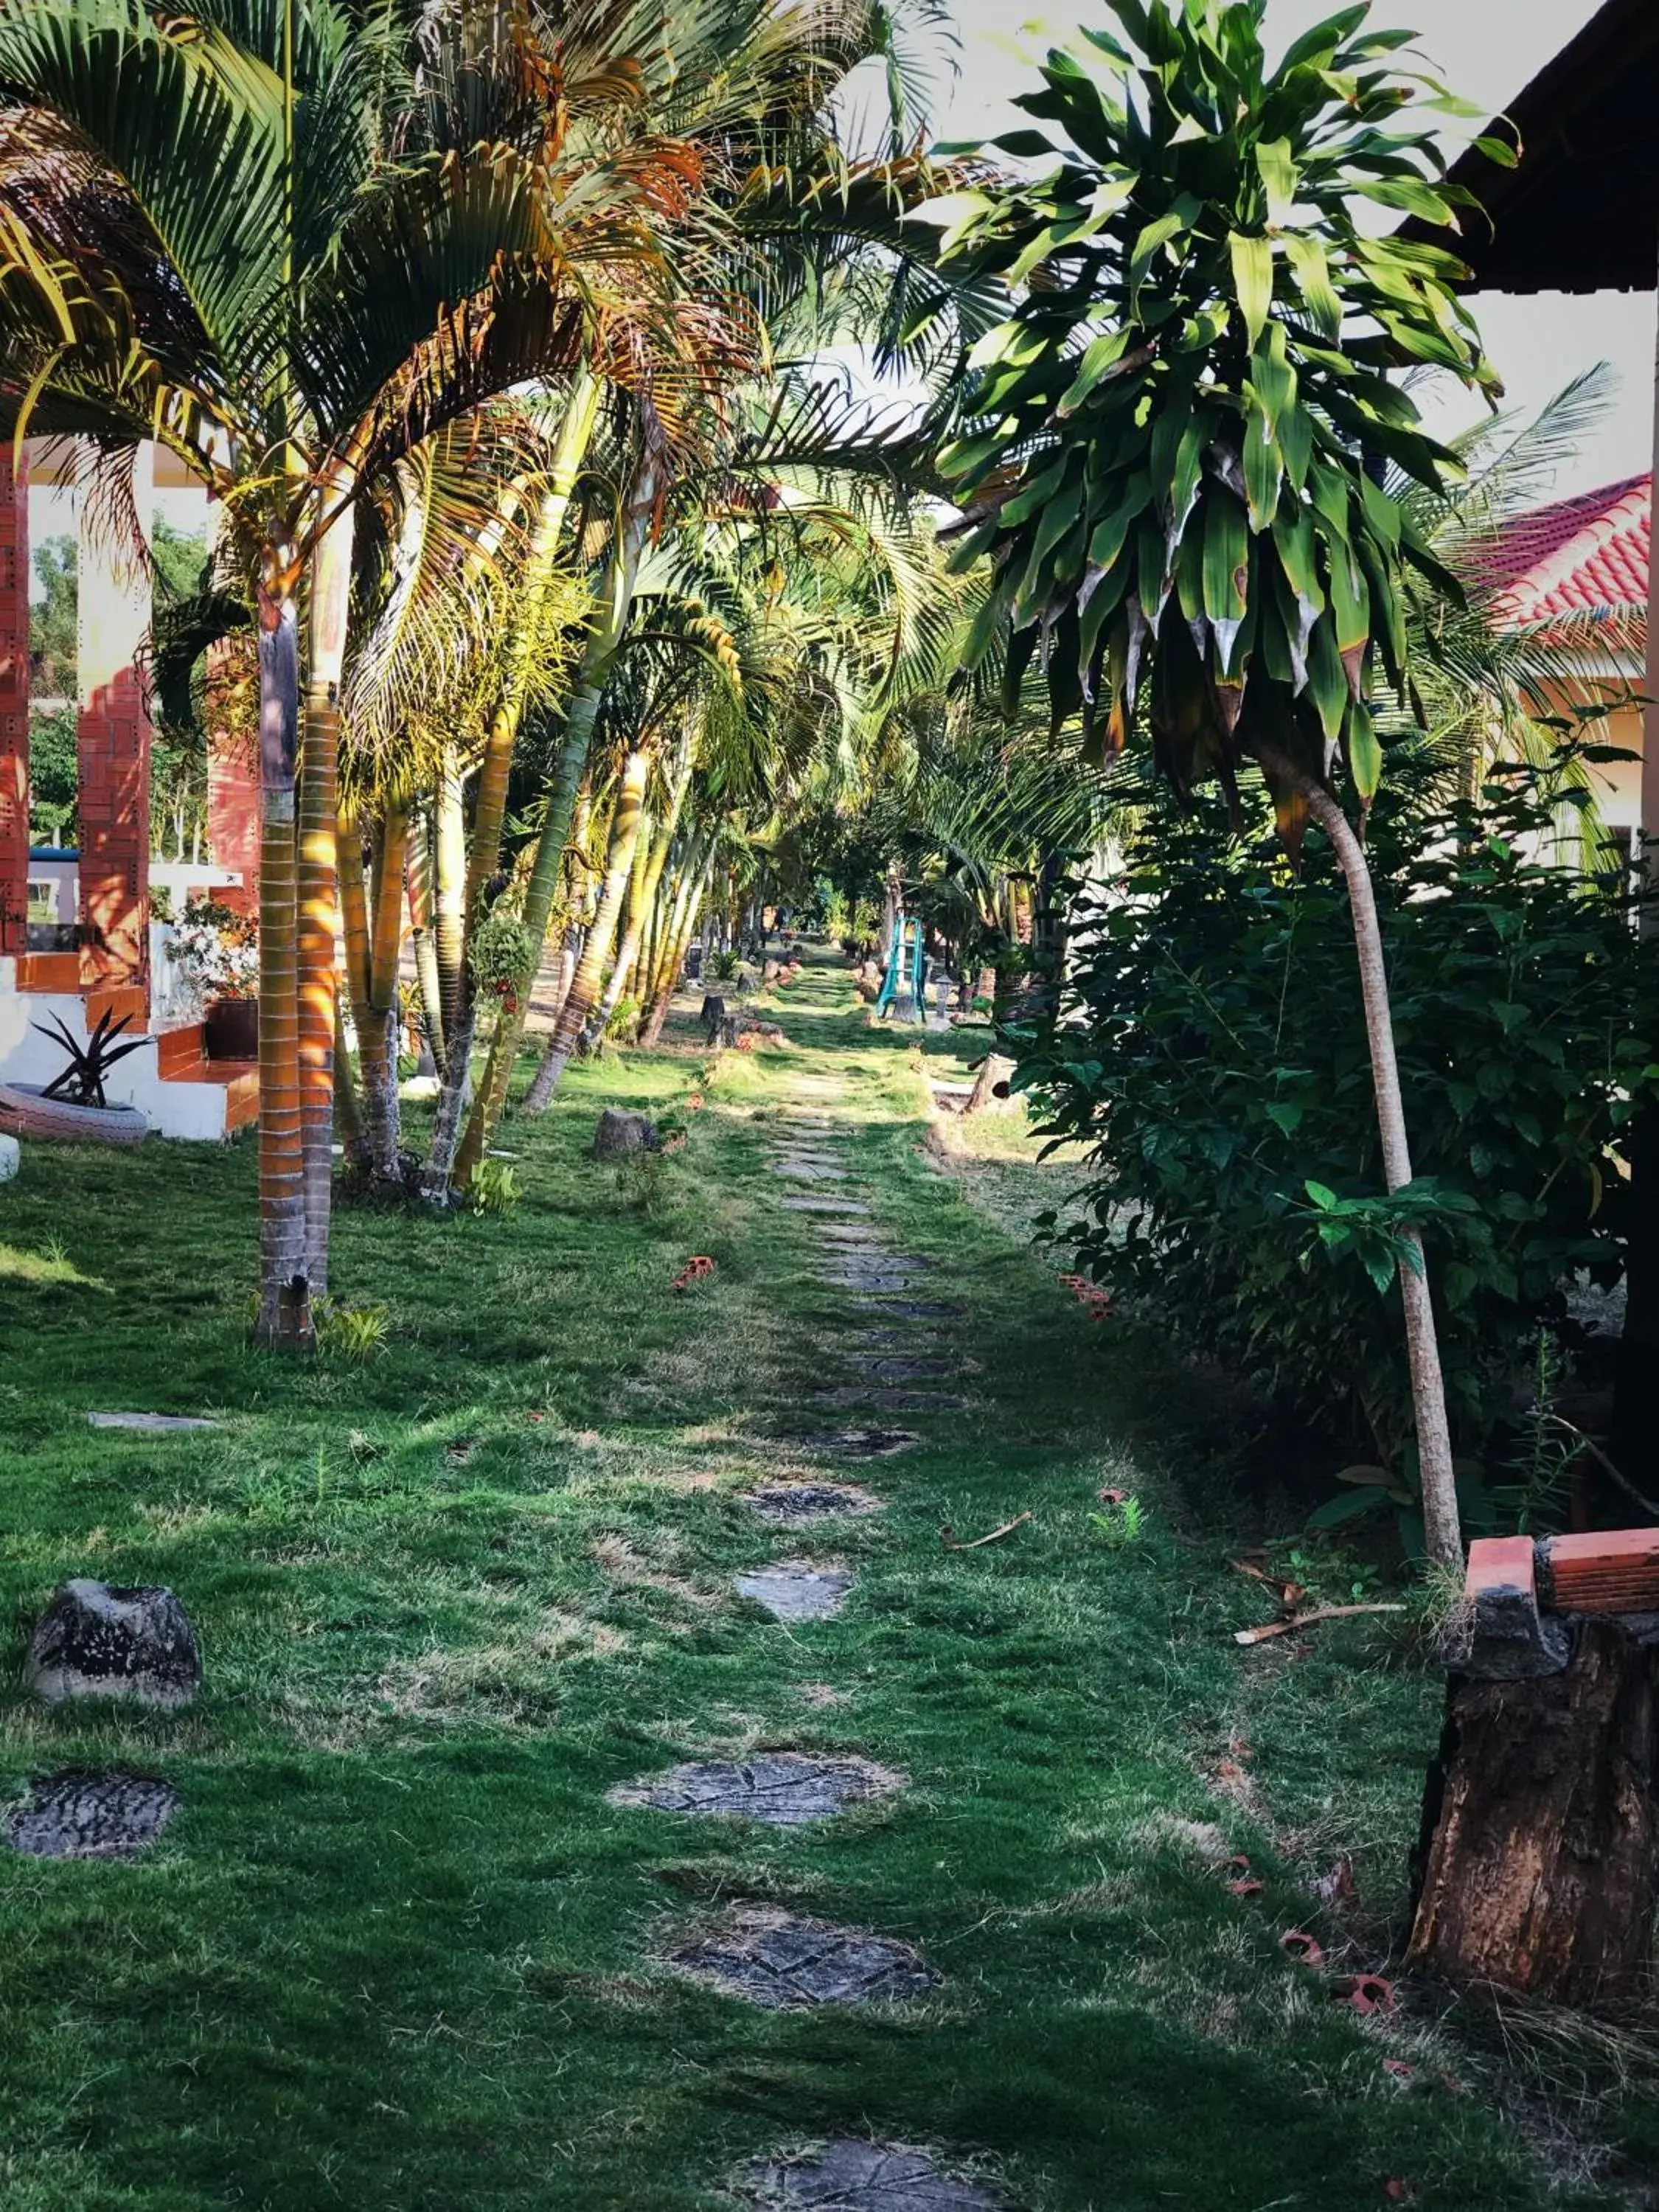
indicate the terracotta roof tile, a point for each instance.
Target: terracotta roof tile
{"x":1582,"y":554}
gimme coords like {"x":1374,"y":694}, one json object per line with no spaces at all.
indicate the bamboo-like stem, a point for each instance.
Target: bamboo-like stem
{"x":449,"y":870}
{"x":694,"y":891}
{"x":1436,"y":1475}
{"x":590,"y":969}
{"x":417,"y":870}
{"x":569,"y":766}
{"x":348,"y":1110}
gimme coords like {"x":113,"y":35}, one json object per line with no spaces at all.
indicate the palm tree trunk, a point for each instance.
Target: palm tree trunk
{"x":563,"y":786}
{"x":449,"y":902}
{"x":1434,"y":1453}
{"x":699,"y":874}
{"x":348,"y":1110}
{"x":319,"y":885}
{"x":374,"y":933}
{"x":284,"y":1309}
{"x":590,"y":969}
{"x":418,"y":873}
{"x":633,"y":929}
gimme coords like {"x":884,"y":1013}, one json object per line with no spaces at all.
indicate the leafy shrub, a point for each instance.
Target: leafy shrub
{"x":354,"y":1333}
{"x":1211,"y":1051}
{"x":494,"y":1187}
{"x":724,"y":967}
{"x":501,"y":950}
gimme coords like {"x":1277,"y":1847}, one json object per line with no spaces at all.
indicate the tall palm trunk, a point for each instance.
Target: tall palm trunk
{"x":373,"y":932}
{"x":683,"y":921}
{"x":564,"y":783}
{"x":590,"y":969}
{"x":1434,"y":1453}
{"x":284,"y":1310}
{"x":632,"y":969}
{"x":633,"y":929}
{"x":319,"y":886}
{"x":418,"y":872}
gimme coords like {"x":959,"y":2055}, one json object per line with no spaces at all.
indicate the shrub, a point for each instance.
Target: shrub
{"x":1211,"y":1052}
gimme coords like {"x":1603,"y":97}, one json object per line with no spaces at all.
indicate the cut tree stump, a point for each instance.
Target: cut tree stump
{"x":1538,"y":1862}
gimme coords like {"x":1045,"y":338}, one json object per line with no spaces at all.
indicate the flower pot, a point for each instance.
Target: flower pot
{"x":25,"y":1112}
{"x":231,"y":1029}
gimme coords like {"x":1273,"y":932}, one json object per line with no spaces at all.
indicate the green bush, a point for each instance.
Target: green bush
{"x":1211,"y":1051}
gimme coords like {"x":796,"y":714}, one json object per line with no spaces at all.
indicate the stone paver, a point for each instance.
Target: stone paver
{"x":807,"y":1171}
{"x":895,"y":1399}
{"x":852,"y":2176}
{"x":89,"y":1816}
{"x":780,"y":1788}
{"x":919,"y":1309}
{"x":855,"y":1443}
{"x":793,"y":1505}
{"x":156,"y":1424}
{"x":843,"y":1206}
{"x":890,"y":1367}
{"x":786,"y":1964}
{"x":797,"y":1589}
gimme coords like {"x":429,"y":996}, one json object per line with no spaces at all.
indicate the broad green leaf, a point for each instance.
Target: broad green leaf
{"x":1278,"y":178}
{"x":1499,"y":151}
{"x":1112,"y":533}
{"x":1363,"y":751}
{"x":1263,"y":470}
{"x":1312,"y":272}
{"x":1155,"y":237}
{"x":1252,"y":280}
{"x":1226,"y":569}
{"x":1099,"y":357}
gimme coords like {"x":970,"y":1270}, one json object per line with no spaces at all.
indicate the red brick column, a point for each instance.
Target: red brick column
{"x":234,"y":818}
{"x":113,"y":729}
{"x":14,"y":703}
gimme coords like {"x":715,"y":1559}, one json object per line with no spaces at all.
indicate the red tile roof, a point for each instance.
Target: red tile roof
{"x":1587,"y":554}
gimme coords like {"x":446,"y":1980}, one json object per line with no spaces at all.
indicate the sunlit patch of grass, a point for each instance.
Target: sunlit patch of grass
{"x":51,"y":1264}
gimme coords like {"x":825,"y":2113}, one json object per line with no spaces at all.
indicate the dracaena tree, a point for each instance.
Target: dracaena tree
{"x":1175,"y":443}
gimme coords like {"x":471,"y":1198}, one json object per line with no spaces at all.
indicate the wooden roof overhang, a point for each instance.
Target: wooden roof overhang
{"x":1581,"y":213}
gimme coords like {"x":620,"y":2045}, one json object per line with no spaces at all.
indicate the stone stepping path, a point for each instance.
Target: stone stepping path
{"x":798,"y":1170}
{"x":780,"y":1788}
{"x":852,"y":1274}
{"x":892,"y":1367}
{"x":784,"y":1964}
{"x":795,"y":1505}
{"x":885,"y":1400}
{"x":89,"y":1816}
{"x":806,"y":1205}
{"x":850,"y":2176}
{"x":797,"y":1589}
{"x":919,"y":1309}
{"x":157,"y":1424}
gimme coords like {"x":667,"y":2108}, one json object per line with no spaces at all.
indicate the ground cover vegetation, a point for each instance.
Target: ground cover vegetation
{"x":397,"y":1946}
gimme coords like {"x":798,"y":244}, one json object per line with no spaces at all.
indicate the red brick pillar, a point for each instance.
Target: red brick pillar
{"x":14,"y":704}
{"x":113,"y":729}
{"x":234,"y":816}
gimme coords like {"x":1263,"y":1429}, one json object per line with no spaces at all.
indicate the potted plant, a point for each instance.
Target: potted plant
{"x":217,"y":951}
{"x":73,"y":1107}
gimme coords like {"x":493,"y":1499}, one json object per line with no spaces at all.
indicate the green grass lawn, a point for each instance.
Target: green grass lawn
{"x":397,"y":1952}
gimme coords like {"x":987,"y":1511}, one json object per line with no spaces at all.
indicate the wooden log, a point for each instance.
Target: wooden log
{"x":1538,"y":1862}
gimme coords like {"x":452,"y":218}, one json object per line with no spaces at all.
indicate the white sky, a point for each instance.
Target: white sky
{"x":1485,"y":49}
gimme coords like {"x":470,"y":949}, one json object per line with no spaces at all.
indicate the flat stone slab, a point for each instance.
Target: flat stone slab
{"x":784,"y":1964}
{"x":921,"y":1309}
{"x":803,"y":1204}
{"x":792,"y":1504}
{"x":870,"y":1275}
{"x":894,"y":1367}
{"x":159,"y":1424}
{"x":780,"y":1788}
{"x":855,"y":1443}
{"x":806,"y":1171}
{"x":89,"y":1816}
{"x":797,"y":1589}
{"x":865,"y":2177}
{"x":895,"y":1399}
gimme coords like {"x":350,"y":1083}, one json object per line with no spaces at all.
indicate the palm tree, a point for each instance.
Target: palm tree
{"x":286,"y":243}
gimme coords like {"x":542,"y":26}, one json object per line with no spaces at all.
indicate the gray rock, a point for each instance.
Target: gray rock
{"x":792,"y":1504}
{"x":620,"y":1132}
{"x":151,"y":1424}
{"x":93,"y":1641}
{"x":796,"y":1590}
{"x":779,"y":1789}
{"x":89,"y":1816}
{"x":865,"y":2177}
{"x":784,"y":1964}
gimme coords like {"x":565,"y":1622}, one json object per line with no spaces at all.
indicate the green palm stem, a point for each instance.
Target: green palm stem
{"x":645,"y":923}
{"x":601,"y":937}
{"x":418,"y":872}
{"x":689,"y":904}
{"x":632,"y":929}
{"x":449,"y":887}
{"x":348,"y":1107}
{"x":605,"y":642}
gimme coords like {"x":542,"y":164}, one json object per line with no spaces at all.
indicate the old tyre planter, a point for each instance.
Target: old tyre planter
{"x":230,"y":1029}
{"x":25,"y":1112}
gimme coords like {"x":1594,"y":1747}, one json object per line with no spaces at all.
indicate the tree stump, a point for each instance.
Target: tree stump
{"x":1538,"y":1862}
{"x":991,"y":1084}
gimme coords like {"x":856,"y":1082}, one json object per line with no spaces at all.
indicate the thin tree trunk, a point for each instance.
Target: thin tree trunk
{"x":449,"y":873}
{"x":371,"y":945}
{"x":1434,"y":1453}
{"x":681,"y":932}
{"x":319,"y":884}
{"x":565,"y":782}
{"x":348,"y":1110}
{"x":590,"y":969}
{"x":452,"y":1104}
{"x":284,"y":1310}
{"x":418,"y":873}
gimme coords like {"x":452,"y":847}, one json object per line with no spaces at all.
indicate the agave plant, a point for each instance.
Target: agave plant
{"x":82,"y":1083}
{"x":1176,"y":441}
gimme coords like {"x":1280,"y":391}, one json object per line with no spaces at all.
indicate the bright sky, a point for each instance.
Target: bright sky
{"x":1485,"y":49}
